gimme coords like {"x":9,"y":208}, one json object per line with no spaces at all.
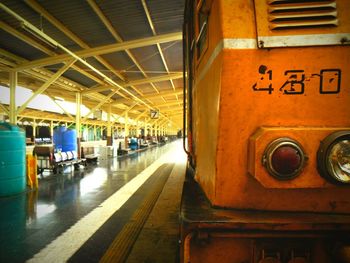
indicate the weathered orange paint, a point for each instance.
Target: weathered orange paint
{"x":227,"y":112}
{"x":233,"y":122}
{"x":215,"y":34}
{"x":237,"y":19}
{"x":206,"y":107}
{"x":243,"y":111}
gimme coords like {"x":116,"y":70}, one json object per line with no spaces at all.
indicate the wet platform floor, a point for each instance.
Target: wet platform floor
{"x":33,"y":224}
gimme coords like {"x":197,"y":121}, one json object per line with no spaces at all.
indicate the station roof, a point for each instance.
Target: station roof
{"x":123,"y":53}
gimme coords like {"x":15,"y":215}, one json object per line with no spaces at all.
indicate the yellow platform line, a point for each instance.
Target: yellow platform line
{"x":120,"y":248}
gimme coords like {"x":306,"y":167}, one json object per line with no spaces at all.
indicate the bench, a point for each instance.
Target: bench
{"x":47,"y":159}
{"x":121,"y":152}
{"x":62,"y":159}
{"x":88,"y":153}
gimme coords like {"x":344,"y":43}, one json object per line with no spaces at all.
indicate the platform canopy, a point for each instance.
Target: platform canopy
{"x":124,"y":56}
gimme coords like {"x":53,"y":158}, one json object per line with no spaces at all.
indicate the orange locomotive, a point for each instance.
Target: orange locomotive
{"x":268,"y":124}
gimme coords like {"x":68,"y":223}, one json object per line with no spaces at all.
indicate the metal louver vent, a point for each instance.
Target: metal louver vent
{"x":286,"y":14}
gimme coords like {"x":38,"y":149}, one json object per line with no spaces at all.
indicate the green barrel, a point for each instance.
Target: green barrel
{"x":12,"y":159}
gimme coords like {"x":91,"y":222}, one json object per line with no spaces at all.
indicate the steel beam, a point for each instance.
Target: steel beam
{"x":6,"y":110}
{"x":66,"y":112}
{"x":99,"y":105}
{"x":151,"y":97}
{"x":106,"y":49}
{"x":53,"y":78}
{"x":78,"y":116}
{"x":138,"y":82}
{"x":117,"y":37}
{"x":37,"y":7}
{"x":158,"y":45}
{"x":13,"y":85}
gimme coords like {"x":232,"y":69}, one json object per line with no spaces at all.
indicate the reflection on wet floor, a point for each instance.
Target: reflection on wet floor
{"x":31,"y":220}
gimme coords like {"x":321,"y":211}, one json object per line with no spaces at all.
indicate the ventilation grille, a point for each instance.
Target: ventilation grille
{"x":287,"y":14}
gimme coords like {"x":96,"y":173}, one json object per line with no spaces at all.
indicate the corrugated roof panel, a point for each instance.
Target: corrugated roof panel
{"x":172,"y":56}
{"x":163,"y":85}
{"x":133,"y":75}
{"x":80,"y":78}
{"x":18,"y":47}
{"x":81,"y":19}
{"x":146,"y":88}
{"x":106,"y":92}
{"x":127,"y":17}
{"x":93,"y":62}
{"x":178,"y":83}
{"x":167,"y":15}
{"x":149,"y":59}
{"x":36,"y":19}
{"x":119,"y":60}
{"x":131,"y":90}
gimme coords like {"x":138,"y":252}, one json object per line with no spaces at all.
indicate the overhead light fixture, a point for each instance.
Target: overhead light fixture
{"x":38,"y":36}
{"x":59,"y":98}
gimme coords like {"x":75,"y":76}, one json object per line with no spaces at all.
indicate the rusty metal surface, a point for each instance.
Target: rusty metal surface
{"x":197,"y":212}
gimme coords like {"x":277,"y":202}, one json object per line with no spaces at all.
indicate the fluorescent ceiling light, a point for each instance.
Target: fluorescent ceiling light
{"x":59,"y":98}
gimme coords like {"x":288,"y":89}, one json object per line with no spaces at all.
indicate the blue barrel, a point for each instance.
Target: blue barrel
{"x":12,"y":159}
{"x":69,"y":140}
{"x":133,"y":144}
{"x":58,"y":137}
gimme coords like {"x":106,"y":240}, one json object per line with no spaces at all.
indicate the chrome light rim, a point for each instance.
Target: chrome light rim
{"x":328,"y":155}
{"x":271,"y":149}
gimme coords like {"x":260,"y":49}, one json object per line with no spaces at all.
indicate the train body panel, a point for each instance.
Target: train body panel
{"x":268,"y":95}
{"x":244,"y":108}
{"x":239,"y":88}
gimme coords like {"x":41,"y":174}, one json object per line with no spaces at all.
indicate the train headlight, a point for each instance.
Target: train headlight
{"x":284,"y":158}
{"x":333,"y":157}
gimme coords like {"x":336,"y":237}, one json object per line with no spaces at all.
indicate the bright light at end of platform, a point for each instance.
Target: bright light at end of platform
{"x":176,"y":154}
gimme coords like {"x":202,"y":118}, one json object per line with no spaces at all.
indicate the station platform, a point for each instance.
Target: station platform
{"x":119,"y":210}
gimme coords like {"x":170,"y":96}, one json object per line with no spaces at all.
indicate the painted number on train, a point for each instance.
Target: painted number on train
{"x":296,"y":81}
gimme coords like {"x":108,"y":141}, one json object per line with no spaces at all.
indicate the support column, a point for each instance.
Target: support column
{"x":95,"y":133}
{"x":145,"y":133}
{"x":34,"y":126}
{"x":13,"y":109}
{"x":158,"y":130}
{"x":51,"y":131}
{"x":109,"y":126}
{"x":156,"y":127}
{"x":138,"y":133}
{"x":126,"y":129}
{"x":151,"y":130}
{"x":78,"y":98}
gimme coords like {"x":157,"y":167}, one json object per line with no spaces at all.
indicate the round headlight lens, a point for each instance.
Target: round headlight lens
{"x":284,"y":158}
{"x":334,"y":157}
